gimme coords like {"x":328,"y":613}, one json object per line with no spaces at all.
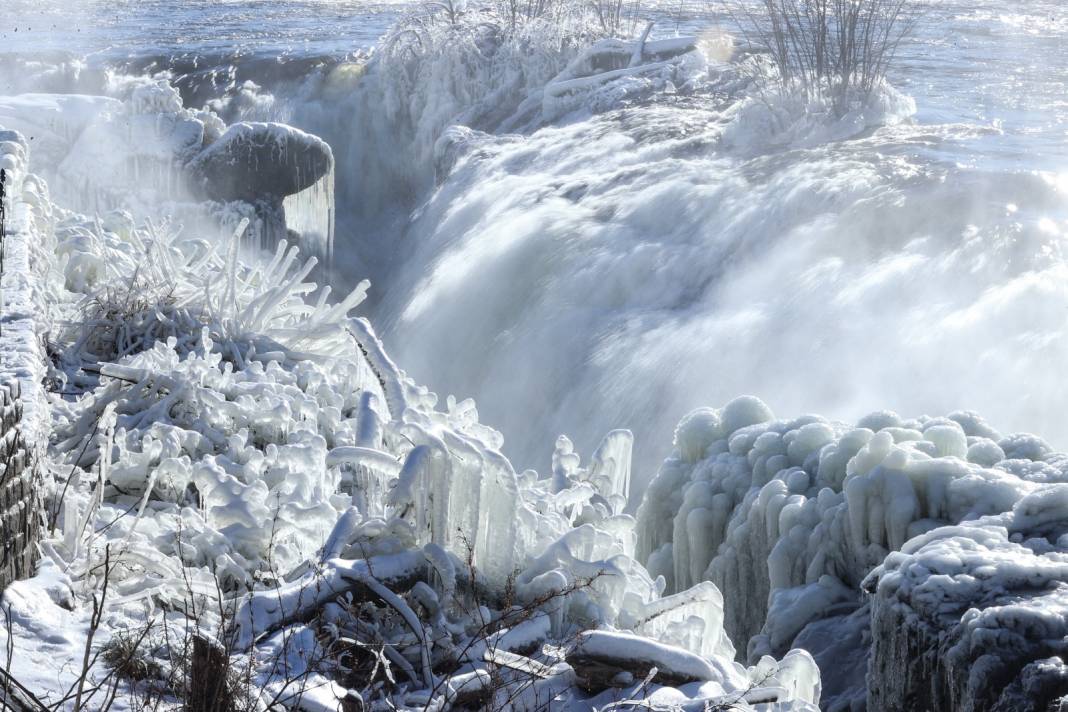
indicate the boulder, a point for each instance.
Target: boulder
{"x":255,"y":160}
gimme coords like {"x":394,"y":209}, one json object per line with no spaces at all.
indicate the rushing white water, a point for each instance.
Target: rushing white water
{"x":619,"y":270}
{"x":622,"y":270}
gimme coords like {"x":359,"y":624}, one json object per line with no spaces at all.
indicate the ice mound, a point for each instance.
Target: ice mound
{"x":101,"y":152}
{"x":53,"y":120}
{"x":137,"y":148}
{"x":791,"y":518}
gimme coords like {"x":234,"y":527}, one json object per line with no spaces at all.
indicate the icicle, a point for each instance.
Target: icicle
{"x":310,"y":213}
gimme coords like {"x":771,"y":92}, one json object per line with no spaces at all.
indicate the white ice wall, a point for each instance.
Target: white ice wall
{"x":788,"y":518}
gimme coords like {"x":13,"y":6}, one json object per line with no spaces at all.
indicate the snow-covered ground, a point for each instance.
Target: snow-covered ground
{"x":583,"y":241}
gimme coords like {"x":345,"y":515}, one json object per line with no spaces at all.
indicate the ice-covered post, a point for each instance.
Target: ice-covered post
{"x":639,"y":49}
{"x":3,"y":239}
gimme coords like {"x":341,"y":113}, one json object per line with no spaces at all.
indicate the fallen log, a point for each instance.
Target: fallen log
{"x":517,"y":663}
{"x":604,"y":659}
{"x":265,"y":612}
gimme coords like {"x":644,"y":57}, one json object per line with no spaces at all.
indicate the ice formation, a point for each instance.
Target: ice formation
{"x":289,"y":170}
{"x":955,"y":530}
{"x":973,"y":617}
{"x":28,"y":209}
{"x":228,"y":443}
{"x":140,"y":150}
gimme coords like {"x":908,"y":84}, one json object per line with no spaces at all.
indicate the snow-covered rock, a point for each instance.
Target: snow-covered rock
{"x":255,"y":161}
{"x":973,"y":617}
{"x":598,"y":656}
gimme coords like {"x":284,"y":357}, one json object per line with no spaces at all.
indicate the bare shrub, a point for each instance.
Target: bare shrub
{"x":837,"y":48}
{"x":609,"y":18}
{"x":125,"y":653}
{"x":616,"y":17}
{"x":114,"y":318}
{"x":516,"y":12}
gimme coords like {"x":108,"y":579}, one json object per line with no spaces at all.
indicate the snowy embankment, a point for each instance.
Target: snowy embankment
{"x":932,"y":548}
{"x":238,"y":473}
{"x":21,"y":354}
{"x":23,"y":430}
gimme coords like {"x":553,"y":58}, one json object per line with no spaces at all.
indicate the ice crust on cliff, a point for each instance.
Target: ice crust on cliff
{"x":954,"y":530}
{"x":974,"y":614}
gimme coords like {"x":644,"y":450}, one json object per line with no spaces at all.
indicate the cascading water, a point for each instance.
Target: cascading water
{"x":621,"y":270}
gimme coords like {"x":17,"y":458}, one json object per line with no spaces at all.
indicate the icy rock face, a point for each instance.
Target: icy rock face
{"x":288,"y":175}
{"x":28,"y":258}
{"x":972,"y":617}
{"x":254,"y":160}
{"x":788,"y":518}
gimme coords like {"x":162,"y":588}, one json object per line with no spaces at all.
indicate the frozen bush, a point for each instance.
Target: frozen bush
{"x":838,"y":48}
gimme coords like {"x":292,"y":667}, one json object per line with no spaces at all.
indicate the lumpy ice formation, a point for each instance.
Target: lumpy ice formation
{"x":930,"y":546}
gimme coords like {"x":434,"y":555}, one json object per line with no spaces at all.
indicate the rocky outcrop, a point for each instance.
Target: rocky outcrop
{"x":252,"y":161}
{"x":973,"y":618}
{"x":20,"y":521}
